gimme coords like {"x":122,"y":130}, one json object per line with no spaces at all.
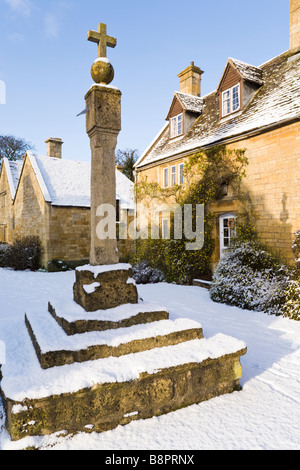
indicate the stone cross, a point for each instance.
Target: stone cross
{"x":101,"y":38}
{"x":103,"y":124}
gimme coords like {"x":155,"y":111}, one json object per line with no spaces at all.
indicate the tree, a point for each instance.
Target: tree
{"x":126,"y":159}
{"x":13,"y":147}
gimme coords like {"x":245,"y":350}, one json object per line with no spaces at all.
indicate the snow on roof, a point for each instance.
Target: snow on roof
{"x":67,"y":182}
{"x":276,"y":101}
{"x":13,"y":171}
{"x":249,"y":72}
{"x":190,"y":102}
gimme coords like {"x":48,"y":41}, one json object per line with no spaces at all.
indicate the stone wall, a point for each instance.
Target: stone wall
{"x":69,"y":234}
{"x":64,"y":231}
{"x":272,"y":182}
{"x":5,"y":208}
{"x":30,"y":211}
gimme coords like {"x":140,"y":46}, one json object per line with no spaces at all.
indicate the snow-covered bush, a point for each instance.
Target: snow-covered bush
{"x":145,"y":274}
{"x":291,"y":309}
{"x":24,"y":253}
{"x":3,"y":261}
{"x":251,"y":278}
{"x":296,"y":250}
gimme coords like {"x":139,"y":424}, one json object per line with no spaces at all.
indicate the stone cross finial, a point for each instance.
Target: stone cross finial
{"x":101,"y":38}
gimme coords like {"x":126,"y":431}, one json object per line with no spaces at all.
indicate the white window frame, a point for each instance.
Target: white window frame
{"x":180,"y":173}
{"x":173,"y":175}
{"x":229,"y":235}
{"x":176,"y":125}
{"x":166,"y":177}
{"x":230,"y":99}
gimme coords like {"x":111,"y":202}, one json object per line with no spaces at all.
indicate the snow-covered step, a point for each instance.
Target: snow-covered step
{"x":74,"y":319}
{"x":101,"y":394}
{"x":55,"y":348}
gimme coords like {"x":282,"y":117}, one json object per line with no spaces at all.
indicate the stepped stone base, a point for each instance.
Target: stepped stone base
{"x":92,"y":370}
{"x":103,"y":287}
{"x":76,"y":320}
{"x":54,"y":349}
{"x":104,"y":406}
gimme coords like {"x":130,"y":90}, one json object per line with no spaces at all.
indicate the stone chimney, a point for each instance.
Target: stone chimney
{"x":294,"y":25}
{"x":190,"y":80}
{"x":54,"y":147}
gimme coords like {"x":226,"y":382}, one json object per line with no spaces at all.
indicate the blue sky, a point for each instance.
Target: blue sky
{"x":45,"y":59}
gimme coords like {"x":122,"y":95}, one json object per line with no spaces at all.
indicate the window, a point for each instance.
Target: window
{"x":181,"y":179}
{"x":231,"y":100}
{"x":165,"y":177}
{"x":227,"y":231}
{"x":173,"y":175}
{"x":176,"y":127}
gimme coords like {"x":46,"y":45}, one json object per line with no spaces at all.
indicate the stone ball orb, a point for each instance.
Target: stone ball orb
{"x":102,"y":71}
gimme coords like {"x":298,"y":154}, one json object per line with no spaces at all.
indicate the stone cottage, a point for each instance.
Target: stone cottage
{"x":49,"y":197}
{"x":256,"y":108}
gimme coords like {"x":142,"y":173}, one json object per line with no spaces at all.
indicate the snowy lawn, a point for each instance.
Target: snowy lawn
{"x":264,"y":415}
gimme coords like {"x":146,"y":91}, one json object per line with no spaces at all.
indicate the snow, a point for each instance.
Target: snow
{"x":13,"y":171}
{"x":68,"y":183}
{"x":52,"y":338}
{"x":91,"y":288}
{"x":25,"y":379}
{"x":96,"y":270}
{"x":264,"y":415}
{"x":71,"y":311}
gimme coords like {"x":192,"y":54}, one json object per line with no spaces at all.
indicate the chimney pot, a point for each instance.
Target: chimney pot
{"x":54,"y":147}
{"x":190,"y":80}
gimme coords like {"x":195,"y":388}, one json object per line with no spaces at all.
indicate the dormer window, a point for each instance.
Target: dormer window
{"x":176,"y":125}
{"x":231,"y":100}
{"x":183,"y":111}
{"x":238,"y":84}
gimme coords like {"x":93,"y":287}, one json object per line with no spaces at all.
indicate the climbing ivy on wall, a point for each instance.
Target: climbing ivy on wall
{"x":204,"y":174}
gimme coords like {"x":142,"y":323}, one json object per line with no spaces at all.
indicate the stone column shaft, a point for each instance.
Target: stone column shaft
{"x":103,"y":124}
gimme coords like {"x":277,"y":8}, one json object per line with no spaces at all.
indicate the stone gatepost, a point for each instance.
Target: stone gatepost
{"x":111,"y":283}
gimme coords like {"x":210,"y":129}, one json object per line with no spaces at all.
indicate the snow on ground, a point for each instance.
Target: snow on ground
{"x":264,"y":415}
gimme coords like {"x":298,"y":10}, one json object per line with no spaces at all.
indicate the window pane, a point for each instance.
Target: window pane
{"x":173,"y":127}
{"x":173,"y":175}
{"x":235,"y":98}
{"x":179,"y":127}
{"x":226,"y":102}
{"x":166,"y":177}
{"x":226,"y":242}
{"x":181,"y":173}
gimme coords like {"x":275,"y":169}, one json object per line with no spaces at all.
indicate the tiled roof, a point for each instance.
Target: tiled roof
{"x":247,"y":71}
{"x":190,"y":102}
{"x":276,"y":101}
